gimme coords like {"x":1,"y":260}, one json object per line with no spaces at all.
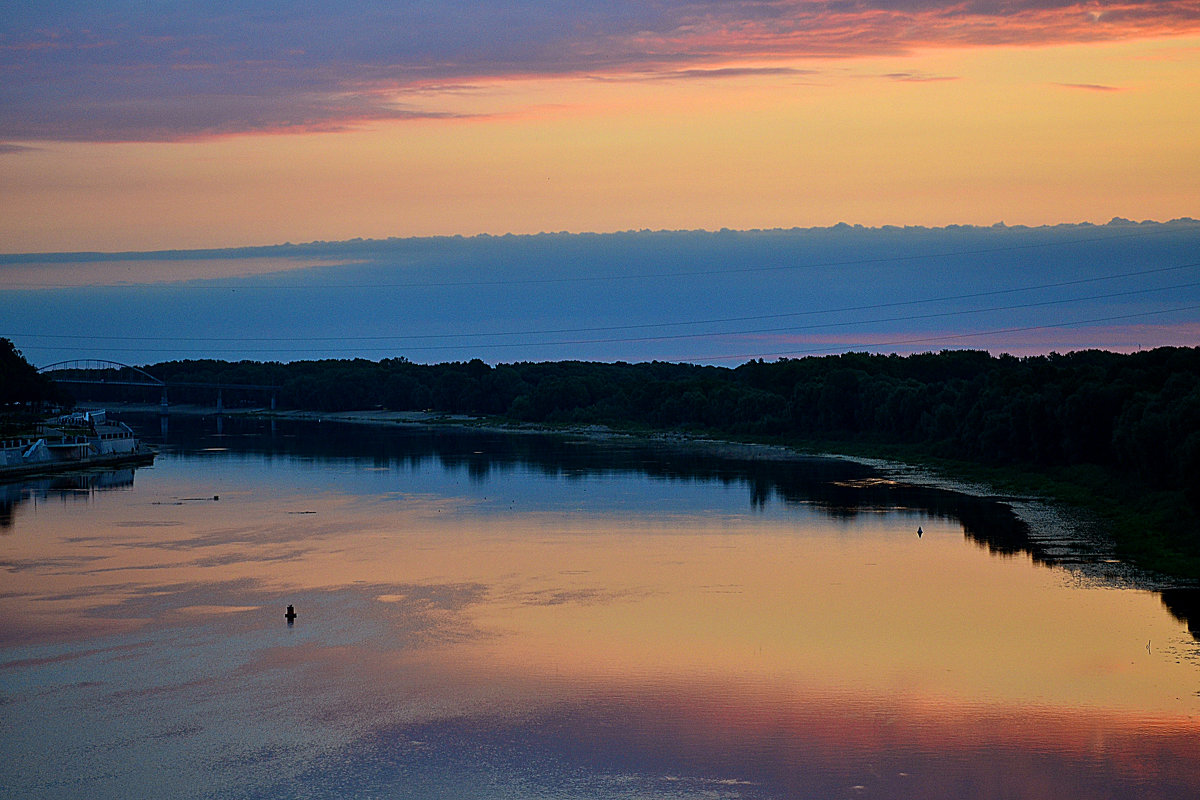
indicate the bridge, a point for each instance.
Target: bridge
{"x":98,"y":371}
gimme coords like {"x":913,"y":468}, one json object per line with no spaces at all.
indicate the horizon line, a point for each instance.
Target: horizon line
{"x":223,"y":250}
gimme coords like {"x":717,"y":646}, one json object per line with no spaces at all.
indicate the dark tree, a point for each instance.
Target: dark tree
{"x":21,"y":383}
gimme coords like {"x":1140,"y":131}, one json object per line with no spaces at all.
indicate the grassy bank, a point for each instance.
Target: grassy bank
{"x":1155,"y":529}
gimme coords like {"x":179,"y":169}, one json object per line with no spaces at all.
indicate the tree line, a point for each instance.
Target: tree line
{"x":1138,"y":413}
{"x":23,"y":390}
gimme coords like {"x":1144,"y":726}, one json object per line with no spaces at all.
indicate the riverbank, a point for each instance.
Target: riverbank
{"x":1146,"y":526}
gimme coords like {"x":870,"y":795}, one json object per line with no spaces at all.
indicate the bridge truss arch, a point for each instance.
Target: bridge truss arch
{"x":85,"y":371}
{"x":104,"y":372}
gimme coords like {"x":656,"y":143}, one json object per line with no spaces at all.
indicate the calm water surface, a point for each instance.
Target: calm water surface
{"x":498,"y":616}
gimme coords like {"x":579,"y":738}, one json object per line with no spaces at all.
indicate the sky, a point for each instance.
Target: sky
{"x":719,"y":297}
{"x":135,"y":127}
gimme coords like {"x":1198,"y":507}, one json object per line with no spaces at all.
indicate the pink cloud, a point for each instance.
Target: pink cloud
{"x":110,"y":71}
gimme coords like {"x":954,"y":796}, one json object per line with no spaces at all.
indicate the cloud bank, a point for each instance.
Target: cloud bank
{"x":112,"y":71}
{"x":709,"y":297}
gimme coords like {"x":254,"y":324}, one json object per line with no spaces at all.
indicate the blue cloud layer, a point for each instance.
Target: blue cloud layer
{"x":691,"y":296}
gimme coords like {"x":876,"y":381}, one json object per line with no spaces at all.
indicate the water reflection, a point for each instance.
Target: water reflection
{"x":1184,"y":605}
{"x":493,"y":616}
{"x":839,"y":488}
{"x":720,"y":741}
{"x":69,"y":487}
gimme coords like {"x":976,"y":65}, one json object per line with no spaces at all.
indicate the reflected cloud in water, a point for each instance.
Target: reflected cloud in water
{"x":725,"y":741}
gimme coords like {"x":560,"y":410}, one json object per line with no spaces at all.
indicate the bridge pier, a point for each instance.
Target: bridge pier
{"x":163,"y":409}
{"x":220,"y":404}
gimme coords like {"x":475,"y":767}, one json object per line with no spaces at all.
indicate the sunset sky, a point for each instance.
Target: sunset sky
{"x":134,"y":127}
{"x":127,"y":126}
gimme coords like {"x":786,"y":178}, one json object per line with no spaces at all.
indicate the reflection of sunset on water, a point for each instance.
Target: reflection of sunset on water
{"x":775,"y":643}
{"x":596,"y":596}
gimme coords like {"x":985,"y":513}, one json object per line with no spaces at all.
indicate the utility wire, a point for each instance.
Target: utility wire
{"x":715,"y":334}
{"x":597,"y":329}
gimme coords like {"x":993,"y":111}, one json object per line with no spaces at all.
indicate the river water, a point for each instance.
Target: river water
{"x":483,"y":615}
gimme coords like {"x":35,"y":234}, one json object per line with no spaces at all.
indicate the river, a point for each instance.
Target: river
{"x":488,"y":615}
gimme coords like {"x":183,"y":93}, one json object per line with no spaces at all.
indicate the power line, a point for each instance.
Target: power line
{"x":846,"y":309}
{"x":715,"y":334}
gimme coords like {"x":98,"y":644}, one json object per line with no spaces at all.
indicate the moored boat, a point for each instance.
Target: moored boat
{"x":73,"y":441}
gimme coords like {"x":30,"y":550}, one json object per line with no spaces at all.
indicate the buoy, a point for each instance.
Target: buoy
{"x":291,"y":615}
{"x":919,"y":531}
